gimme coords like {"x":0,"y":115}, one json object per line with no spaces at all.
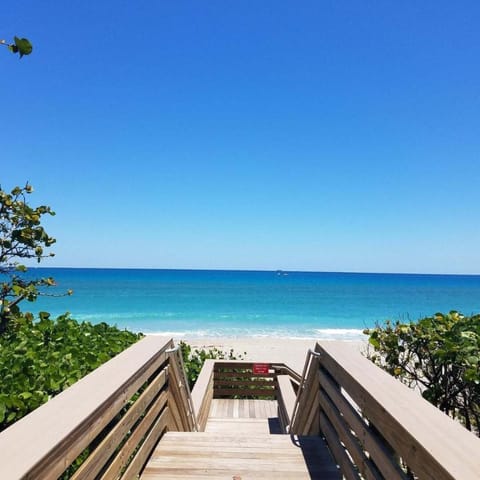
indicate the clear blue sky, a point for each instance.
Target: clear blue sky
{"x":313,"y":135}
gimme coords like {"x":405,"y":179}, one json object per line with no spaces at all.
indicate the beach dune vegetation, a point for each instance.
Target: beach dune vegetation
{"x":39,"y":357}
{"x":194,"y":358}
{"x":22,"y":238}
{"x":438,"y":355}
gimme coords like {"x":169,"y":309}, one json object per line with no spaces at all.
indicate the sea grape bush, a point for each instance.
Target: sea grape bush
{"x":41,"y":358}
{"x":439,"y":355}
{"x":193,"y":360}
{"x":22,"y":237}
{"x":22,"y":46}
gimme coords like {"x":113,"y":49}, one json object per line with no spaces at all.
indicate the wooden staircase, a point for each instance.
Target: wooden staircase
{"x":137,"y":418}
{"x":200,"y":455}
{"x":240,"y":442}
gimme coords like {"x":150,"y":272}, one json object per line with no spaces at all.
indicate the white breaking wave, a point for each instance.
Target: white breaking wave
{"x":338,"y":334}
{"x":350,"y":334}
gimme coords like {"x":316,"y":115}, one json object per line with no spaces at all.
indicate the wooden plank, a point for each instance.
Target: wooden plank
{"x":282,"y":369}
{"x":286,"y":400}
{"x":177,"y":423}
{"x":202,"y":393}
{"x":241,"y":426}
{"x":251,"y":409}
{"x":304,"y":422}
{"x":227,"y":375}
{"x":193,"y":426}
{"x":122,"y":457}
{"x":432,"y":444}
{"x":205,"y":455}
{"x":338,"y":452}
{"x":45,"y":442}
{"x":381,"y":455}
{"x":98,"y":458}
{"x":228,"y":392}
{"x":141,"y":456}
{"x":312,"y":426}
{"x":177,"y":385}
{"x":224,"y":408}
{"x":351,"y":443}
{"x":246,"y":383}
{"x":231,"y":364}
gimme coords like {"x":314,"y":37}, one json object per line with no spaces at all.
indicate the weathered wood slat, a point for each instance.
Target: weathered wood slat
{"x":45,"y":442}
{"x":97,"y":459}
{"x":141,"y":456}
{"x":286,"y":399}
{"x":431,"y":444}
{"x":246,"y":383}
{"x":341,"y":458}
{"x":240,"y":364}
{"x":177,"y":422}
{"x":304,"y":422}
{"x":227,"y":456}
{"x":377,"y":450}
{"x":225,"y":392}
{"x":122,"y":457}
{"x":176,"y":383}
{"x":351,"y":443}
{"x":312,"y":425}
{"x":227,"y":375}
{"x":202,"y":393}
{"x":243,"y":408}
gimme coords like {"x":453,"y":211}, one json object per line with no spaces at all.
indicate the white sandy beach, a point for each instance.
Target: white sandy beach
{"x":263,"y":349}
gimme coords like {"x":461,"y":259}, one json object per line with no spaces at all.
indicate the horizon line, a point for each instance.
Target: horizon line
{"x":253,"y":270}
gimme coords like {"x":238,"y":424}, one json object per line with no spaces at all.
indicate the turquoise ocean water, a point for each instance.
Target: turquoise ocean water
{"x":238,"y":303}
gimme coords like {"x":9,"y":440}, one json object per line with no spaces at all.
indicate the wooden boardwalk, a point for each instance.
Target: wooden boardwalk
{"x":241,"y":442}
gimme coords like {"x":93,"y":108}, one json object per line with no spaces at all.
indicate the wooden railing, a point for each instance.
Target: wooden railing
{"x":202,"y":394}
{"x":236,"y":379}
{"x":376,"y":427}
{"x":112,"y":419}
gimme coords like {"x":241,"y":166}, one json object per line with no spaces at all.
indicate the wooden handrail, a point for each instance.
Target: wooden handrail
{"x":202,"y":393}
{"x":118,"y":412}
{"x":235,"y":378}
{"x":378,"y":428}
{"x":179,"y":368}
{"x":286,"y":400}
{"x":307,"y":384}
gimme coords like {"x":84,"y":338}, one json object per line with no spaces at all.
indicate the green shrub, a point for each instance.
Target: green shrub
{"x":439,"y":355}
{"x":39,"y":359}
{"x":193,"y":360}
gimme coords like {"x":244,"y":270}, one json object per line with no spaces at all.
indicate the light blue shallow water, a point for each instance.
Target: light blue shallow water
{"x":237,"y":303}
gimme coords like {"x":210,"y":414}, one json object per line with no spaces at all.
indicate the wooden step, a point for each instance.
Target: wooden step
{"x":243,"y":426}
{"x":243,"y":408}
{"x":239,"y":457}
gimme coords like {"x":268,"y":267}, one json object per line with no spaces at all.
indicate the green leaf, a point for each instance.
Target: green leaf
{"x":24,"y":47}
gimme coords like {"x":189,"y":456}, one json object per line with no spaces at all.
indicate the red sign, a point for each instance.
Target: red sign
{"x":260,"y":368}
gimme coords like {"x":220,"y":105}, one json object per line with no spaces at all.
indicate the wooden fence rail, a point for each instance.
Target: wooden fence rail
{"x":237,"y":379}
{"x":113,"y":418}
{"x":376,"y":427}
